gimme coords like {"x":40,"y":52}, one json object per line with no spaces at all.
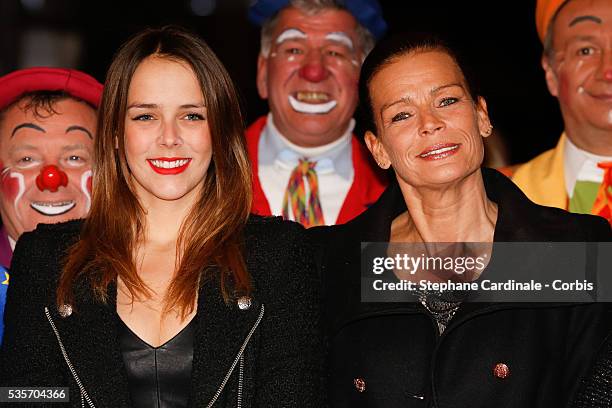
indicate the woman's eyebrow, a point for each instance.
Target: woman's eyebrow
{"x":390,"y":104}
{"x":432,"y":91}
{"x":439,"y":88}
{"x":142,"y":106}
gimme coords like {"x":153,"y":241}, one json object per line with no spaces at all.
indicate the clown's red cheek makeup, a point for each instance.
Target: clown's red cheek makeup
{"x":9,"y":185}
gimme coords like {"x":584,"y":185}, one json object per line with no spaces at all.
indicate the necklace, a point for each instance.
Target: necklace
{"x":441,"y":310}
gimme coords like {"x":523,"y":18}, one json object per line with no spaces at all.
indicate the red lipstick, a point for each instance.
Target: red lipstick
{"x":169,"y":165}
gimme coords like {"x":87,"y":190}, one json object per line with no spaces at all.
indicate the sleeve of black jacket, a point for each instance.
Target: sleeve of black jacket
{"x":29,"y":355}
{"x":596,"y":387}
{"x":290,"y":365}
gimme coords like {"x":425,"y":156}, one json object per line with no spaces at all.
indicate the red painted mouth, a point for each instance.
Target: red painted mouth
{"x":169,"y":165}
{"x":439,"y":151}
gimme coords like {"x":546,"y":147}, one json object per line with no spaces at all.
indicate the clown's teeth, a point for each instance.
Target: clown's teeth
{"x":52,"y":209}
{"x":164,"y":164}
{"x":316,"y":108}
{"x":439,"y":151}
{"x":312,"y":97}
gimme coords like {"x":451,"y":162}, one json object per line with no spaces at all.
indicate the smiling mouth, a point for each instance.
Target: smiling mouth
{"x":312,"y":102}
{"x":312,"y":97}
{"x":439,"y":151}
{"x":52,"y":209}
{"x":603,"y":97}
{"x":171,"y":165}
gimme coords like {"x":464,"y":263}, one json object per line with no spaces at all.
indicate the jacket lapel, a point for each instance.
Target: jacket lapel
{"x":221,"y":329}
{"x":516,"y":222}
{"x":89,"y":336}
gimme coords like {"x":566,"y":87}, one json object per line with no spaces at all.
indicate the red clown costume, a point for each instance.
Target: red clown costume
{"x":368,"y":182}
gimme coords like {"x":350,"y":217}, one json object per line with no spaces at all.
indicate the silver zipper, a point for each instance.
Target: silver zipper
{"x":236,"y":361}
{"x":84,"y":395}
{"x":240,"y":377}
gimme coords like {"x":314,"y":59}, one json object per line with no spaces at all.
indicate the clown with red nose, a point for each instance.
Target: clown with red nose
{"x":308,"y":165}
{"x":47,"y":125}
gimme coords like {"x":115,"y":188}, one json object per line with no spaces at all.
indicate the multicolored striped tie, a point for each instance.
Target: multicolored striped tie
{"x":603,"y":202}
{"x":306,"y":212}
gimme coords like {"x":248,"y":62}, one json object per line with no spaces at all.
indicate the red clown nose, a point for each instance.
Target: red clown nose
{"x":314,"y":72}
{"x":51,"y":178}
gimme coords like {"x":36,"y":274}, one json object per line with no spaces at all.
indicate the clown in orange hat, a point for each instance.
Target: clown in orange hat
{"x":577,"y":61}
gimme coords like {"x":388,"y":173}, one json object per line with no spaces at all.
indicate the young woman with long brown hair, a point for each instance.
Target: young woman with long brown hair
{"x":169,"y":294}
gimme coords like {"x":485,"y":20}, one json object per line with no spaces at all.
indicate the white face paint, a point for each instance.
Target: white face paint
{"x":344,"y":39}
{"x":290,"y":34}
{"x":341,"y":38}
{"x":84,"y":181}
{"x":295,"y":34}
{"x":53,"y":209}
{"x":20,"y":191}
{"x":580,"y":88}
{"x":313,"y":108}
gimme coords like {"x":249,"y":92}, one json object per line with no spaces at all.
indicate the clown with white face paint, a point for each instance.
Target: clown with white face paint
{"x":47,"y":125}
{"x":577,"y":61}
{"x":312,"y":102}
{"x":307,"y":164}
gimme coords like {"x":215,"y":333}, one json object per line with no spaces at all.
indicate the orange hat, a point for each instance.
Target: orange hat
{"x":545,"y":10}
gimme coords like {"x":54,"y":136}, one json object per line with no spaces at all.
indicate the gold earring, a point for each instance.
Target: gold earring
{"x":488,"y":131}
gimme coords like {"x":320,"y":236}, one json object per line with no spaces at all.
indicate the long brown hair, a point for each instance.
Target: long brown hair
{"x":209,"y":244}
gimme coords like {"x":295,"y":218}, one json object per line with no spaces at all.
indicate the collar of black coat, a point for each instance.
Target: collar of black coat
{"x":518,"y":219}
{"x":499,"y":189}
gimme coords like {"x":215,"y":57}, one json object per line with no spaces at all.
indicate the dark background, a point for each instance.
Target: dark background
{"x":498,"y":38}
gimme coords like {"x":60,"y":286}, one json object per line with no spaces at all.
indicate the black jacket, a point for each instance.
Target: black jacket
{"x":282,"y":359}
{"x":596,"y":389}
{"x":390,"y":354}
